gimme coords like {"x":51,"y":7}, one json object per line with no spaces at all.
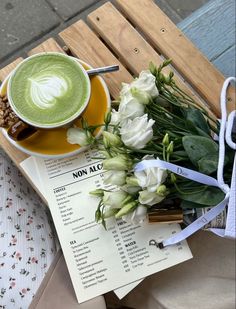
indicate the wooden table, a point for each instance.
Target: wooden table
{"x":132,"y":34}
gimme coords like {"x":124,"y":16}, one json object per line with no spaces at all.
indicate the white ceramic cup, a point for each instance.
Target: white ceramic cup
{"x":47,"y":85}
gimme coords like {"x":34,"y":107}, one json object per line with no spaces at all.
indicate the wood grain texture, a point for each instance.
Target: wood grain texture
{"x":49,"y":45}
{"x":16,"y":155}
{"x":84,"y":44}
{"x":171,"y":42}
{"x":7,"y":69}
{"x":128,"y":44}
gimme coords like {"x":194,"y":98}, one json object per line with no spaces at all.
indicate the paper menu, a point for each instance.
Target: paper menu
{"x":30,"y":167}
{"x":99,"y":260}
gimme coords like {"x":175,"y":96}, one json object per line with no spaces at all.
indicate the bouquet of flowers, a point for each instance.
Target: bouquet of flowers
{"x":154,"y":119}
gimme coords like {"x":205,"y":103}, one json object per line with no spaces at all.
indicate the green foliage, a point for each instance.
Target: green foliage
{"x":211,"y":196}
{"x":202,"y":152}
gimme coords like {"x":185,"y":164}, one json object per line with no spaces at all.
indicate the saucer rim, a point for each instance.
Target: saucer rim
{"x":63,"y":155}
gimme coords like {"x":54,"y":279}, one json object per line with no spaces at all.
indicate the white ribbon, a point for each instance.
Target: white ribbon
{"x":226,"y":129}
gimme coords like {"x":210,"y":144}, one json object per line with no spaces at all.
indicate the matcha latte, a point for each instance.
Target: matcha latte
{"x":49,"y":90}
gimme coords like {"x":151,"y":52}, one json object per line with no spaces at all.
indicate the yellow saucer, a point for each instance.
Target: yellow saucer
{"x":53,"y":143}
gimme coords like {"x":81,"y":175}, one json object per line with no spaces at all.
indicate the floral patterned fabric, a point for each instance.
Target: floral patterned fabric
{"x":27,"y":238}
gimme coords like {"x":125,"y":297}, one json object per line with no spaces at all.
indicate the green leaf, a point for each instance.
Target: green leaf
{"x":187,"y":204}
{"x":197,"y":118}
{"x":191,"y":127}
{"x":198,"y":147}
{"x":181,"y":153}
{"x":208,"y":165}
{"x":209,"y":197}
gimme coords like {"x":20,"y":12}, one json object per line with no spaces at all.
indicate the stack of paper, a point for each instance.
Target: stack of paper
{"x":98,"y":260}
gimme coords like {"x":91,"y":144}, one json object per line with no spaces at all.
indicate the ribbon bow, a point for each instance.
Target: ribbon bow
{"x":227,"y":127}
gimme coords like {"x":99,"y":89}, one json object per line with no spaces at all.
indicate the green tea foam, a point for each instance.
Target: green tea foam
{"x":48,"y":89}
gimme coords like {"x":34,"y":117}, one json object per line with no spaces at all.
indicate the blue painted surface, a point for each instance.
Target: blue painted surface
{"x":212,"y":29}
{"x":226,"y":62}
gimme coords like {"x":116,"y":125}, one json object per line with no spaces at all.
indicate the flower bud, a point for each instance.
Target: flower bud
{"x":171,"y":74}
{"x":112,"y":177}
{"x":107,"y":118}
{"x":173,"y":178}
{"x":132,"y":181}
{"x":128,"y":199}
{"x":165,"y":140}
{"x":126,"y":209}
{"x":104,"y":153}
{"x":110,"y":139}
{"x":98,"y":192}
{"x":118,"y":164}
{"x":170,"y":148}
{"x":162,"y":190}
{"x":166,"y":62}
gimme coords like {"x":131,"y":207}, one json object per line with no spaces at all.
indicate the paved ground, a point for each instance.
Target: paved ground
{"x":25,"y":23}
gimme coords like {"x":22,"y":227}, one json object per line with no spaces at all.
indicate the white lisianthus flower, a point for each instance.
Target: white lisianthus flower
{"x":151,"y":178}
{"x":149,"y":198}
{"x":112,"y":177}
{"x":77,"y":136}
{"x":142,"y":96}
{"x":114,"y":199}
{"x":115,"y":117}
{"x":130,"y":107}
{"x":138,"y":132}
{"x":138,"y":216}
{"x":146,"y":82}
{"x":125,"y":89}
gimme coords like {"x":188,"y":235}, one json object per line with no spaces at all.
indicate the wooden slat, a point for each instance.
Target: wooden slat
{"x":171,"y":42}
{"x":16,"y":155}
{"x":86,"y":45}
{"x":128,"y":44}
{"x":7,"y":69}
{"x":49,"y":45}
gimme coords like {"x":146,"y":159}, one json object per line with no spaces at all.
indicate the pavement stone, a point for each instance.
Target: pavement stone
{"x":24,"y":24}
{"x":69,"y":8}
{"x":169,"y":11}
{"x":185,"y":7}
{"x":23,"y":21}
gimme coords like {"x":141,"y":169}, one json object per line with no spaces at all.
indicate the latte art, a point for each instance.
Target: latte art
{"x":44,"y":90}
{"x":49,"y":90}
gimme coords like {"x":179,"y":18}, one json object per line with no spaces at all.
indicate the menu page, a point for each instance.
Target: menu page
{"x":30,"y":168}
{"x":100,"y":260}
